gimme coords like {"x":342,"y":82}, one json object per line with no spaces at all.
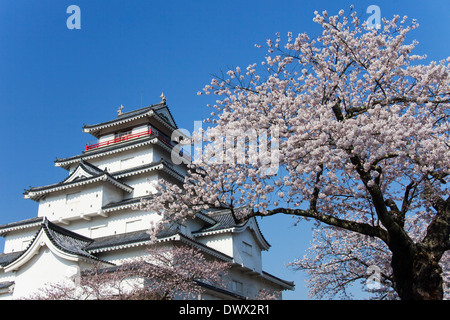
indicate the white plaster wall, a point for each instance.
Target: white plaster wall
{"x":140,"y":129}
{"x":124,"y":160}
{"x":221,"y":242}
{"x":251,"y":284}
{"x":116,"y":223}
{"x":18,"y":240}
{"x":231,"y":244}
{"x":45,"y":267}
{"x":128,"y":221}
{"x":119,"y":256}
{"x":252,"y":259}
{"x":72,"y":203}
{"x":57,"y":204}
{"x":143,"y":184}
{"x":110,"y":193}
{"x":159,"y":153}
{"x":106,"y":137}
{"x":193,"y":225}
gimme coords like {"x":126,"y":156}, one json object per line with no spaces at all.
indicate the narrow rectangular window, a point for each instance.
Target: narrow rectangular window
{"x":98,"y":231}
{"x":73,"y":197}
{"x":237,"y":286}
{"x":126,"y":163}
{"x":247,"y":248}
{"x":133,"y":225}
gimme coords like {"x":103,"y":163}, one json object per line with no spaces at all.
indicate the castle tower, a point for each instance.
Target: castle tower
{"x":90,"y":216}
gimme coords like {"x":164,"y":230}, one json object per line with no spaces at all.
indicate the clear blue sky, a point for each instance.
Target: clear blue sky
{"x":52,"y":79}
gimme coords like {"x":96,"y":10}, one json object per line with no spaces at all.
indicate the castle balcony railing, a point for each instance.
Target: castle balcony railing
{"x":126,"y":137}
{"x":91,"y":145}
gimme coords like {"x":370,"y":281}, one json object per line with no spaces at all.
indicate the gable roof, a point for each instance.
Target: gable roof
{"x":85,"y":173}
{"x":225,"y":222}
{"x":83,"y":170}
{"x":64,"y":243}
{"x":159,"y":111}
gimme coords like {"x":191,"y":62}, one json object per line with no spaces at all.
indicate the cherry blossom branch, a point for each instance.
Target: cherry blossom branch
{"x":363,"y":228}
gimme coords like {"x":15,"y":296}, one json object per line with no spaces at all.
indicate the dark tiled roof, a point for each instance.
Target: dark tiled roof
{"x":128,"y":238}
{"x":223,"y":218}
{"x":123,"y":116}
{"x":7,"y":258}
{"x":126,"y":172}
{"x":74,"y":243}
{"x":6,"y":284}
{"x":118,"y":239}
{"x":97,"y":172}
{"x":66,"y":240}
{"x":94,"y":129}
{"x":21,"y":223}
{"x":286,"y":282}
{"x":223,"y":291}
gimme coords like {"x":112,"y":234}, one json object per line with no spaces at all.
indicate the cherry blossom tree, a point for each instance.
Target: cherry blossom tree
{"x":339,"y":260}
{"x":162,"y":274}
{"x":361,"y":130}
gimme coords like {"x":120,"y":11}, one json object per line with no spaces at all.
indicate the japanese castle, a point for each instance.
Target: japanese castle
{"x":91,"y":215}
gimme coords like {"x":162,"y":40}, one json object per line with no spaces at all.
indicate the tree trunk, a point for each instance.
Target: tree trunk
{"x":417,"y":276}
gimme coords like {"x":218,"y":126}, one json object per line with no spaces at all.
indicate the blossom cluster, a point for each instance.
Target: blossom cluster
{"x":360,"y":119}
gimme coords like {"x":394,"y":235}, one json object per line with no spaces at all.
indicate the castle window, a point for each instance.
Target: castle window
{"x":123,"y":133}
{"x":133,"y":225}
{"x":247,"y":248}
{"x":126,"y":163}
{"x":98,"y":231}
{"x":237,"y":286}
{"x":73,"y":197}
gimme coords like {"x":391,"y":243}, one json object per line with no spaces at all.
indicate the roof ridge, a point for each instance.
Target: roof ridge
{"x":85,"y":163}
{"x":150,"y":107}
{"x":94,"y":178}
{"x":125,"y":115}
{"x":19,"y":223}
{"x":47,"y":224}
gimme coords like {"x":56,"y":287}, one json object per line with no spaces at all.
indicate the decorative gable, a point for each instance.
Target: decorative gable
{"x":61,"y":242}
{"x":164,"y":112}
{"x":84,"y":174}
{"x":82,"y":171}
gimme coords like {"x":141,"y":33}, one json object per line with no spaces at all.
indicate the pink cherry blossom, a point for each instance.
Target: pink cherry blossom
{"x":362,"y":146}
{"x":162,"y":274}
